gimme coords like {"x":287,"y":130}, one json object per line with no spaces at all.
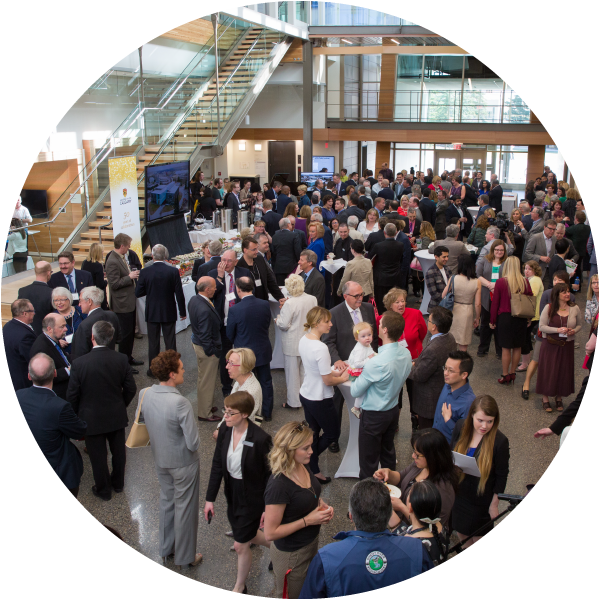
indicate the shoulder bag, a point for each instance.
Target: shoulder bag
{"x":138,"y":436}
{"x":522,"y":306}
{"x":448,"y":301}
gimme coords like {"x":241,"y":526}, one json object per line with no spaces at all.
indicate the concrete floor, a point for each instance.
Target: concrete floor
{"x":134,"y":513}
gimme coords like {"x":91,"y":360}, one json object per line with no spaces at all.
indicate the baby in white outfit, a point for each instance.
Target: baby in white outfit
{"x":361,"y":353}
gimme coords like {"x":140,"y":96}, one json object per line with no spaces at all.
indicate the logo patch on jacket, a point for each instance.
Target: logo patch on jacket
{"x":376,"y":563}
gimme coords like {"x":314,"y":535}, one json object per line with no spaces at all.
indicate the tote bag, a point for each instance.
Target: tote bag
{"x":138,"y":436}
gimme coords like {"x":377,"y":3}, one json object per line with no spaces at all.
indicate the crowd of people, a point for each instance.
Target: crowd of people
{"x":71,"y":359}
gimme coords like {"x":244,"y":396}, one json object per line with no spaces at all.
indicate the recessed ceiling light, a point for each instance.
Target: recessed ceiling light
{"x":395,"y":41}
{"x":347,"y":41}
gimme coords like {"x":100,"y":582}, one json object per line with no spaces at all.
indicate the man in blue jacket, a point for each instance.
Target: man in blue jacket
{"x":369,"y":558}
{"x":248,"y":327}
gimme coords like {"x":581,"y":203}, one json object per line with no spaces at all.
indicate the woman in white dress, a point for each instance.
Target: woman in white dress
{"x":291,"y":321}
{"x":369,"y":225}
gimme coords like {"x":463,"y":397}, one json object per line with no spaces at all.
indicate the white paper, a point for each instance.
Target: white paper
{"x":257,"y":282}
{"x":468,"y":464}
{"x":230,"y":297}
{"x":69,"y":338}
{"x":75,"y":296}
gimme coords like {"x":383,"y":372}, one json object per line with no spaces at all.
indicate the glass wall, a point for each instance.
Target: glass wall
{"x":553,"y":158}
{"x":371,"y":77}
{"x":351,"y":87}
{"x":442,"y":85}
{"x":333,"y":13}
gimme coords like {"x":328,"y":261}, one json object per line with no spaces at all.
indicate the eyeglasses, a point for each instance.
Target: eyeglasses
{"x":447,"y":370}
{"x":233,"y":364}
{"x":228,"y":413}
{"x":33,"y":311}
{"x":301,"y":426}
{"x":356,"y":296}
{"x":417,"y":455}
{"x":551,"y":228}
{"x":59,"y":300}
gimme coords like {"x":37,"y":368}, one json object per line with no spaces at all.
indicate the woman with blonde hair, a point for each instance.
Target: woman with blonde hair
{"x":346,"y":197}
{"x":294,"y":511}
{"x":476,"y":501}
{"x":533,"y":273}
{"x":94,"y":264}
{"x":303,"y":199}
{"x":427,"y":234}
{"x":512,"y":330}
{"x":316,"y":392}
{"x":316,"y":231}
{"x":291,"y":321}
{"x":490,"y":213}
{"x":62,"y":301}
{"x":592,"y":302}
{"x":369,"y":225}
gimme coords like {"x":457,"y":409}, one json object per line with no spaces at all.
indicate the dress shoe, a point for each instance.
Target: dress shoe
{"x":476,"y":331}
{"x":210,"y":419}
{"x":136,"y":363}
{"x":334,"y":447}
{"x":481,"y":354}
{"x":101,"y":496}
{"x":117,"y":490}
{"x":267,"y":419}
{"x":138,"y":336}
{"x":323,"y":481}
{"x":229,"y":533}
{"x":135,"y":371}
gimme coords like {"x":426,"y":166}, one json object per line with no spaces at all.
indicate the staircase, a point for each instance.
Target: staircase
{"x":187,"y":128}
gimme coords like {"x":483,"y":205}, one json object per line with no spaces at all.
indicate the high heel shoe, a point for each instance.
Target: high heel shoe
{"x":512,"y":376}
{"x":505,"y":379}
{"x":524,"y":393}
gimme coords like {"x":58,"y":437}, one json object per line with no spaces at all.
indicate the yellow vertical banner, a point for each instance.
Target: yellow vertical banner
{"x":122,"y":174}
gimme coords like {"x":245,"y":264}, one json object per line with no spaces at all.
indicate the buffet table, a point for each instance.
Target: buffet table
{"x":208,"y":235}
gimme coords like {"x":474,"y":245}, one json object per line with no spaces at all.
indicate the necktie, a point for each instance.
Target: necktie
{"x":304,"y":277}
{"x":355,"y":316}
{"x":71,"y":284}
{"x":62,"y":354}
{"x":232,"y":301}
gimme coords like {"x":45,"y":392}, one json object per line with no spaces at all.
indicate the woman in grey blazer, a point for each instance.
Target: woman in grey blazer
{"x":171,"y":425}
{"x":291,"y":321}
{"x":489,"y":270}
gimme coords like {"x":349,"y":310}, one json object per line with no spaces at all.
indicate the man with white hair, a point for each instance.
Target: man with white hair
{"x":352,"y":225}
{"x":161,"y":284}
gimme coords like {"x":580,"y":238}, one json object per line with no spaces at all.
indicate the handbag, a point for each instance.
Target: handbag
{"x":415,"y":264}
{"x":138,"y":436}
{"x":522,"y":306}
{"x":448,"y":301}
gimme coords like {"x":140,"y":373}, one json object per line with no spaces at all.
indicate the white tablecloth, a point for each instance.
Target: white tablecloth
{"x":349,"y":466}
{"x":8,"y":268}
{"x":473,"y":210}
{"x":277,"y":359}
{"x":208,"y":235}
{"x":426,"y":260}
{"x":188,"y":291}
{"x":336,"y":265}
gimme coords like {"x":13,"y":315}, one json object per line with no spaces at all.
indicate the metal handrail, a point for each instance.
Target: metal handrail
{"x":101,"y":228}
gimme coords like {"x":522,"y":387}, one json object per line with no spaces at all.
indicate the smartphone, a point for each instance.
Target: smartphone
{"x":210,"y":515}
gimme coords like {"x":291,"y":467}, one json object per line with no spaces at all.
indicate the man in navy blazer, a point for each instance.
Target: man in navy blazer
{"x":19,"y":337}
{"x":53,"y":421}
{"x":226,"y":274}
{"x":283,"y":200}
{"x":248,"y":327}
{"x":39,"y":293}
{"x":69,"y":277}
{"x":161,"y":284}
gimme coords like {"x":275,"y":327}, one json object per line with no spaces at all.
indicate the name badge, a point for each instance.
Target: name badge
{"x":562,"y":335}
{"x":75,"y":296}
{"x":69,"y":338}
{"x":257,"y":282}
{"x":249,"y":444}
{"x":230,"y":297}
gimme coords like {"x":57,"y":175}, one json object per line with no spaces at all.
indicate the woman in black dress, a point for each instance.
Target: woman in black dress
{"x":294,"y":511}
{"x":94,"y":264}
{"x":241,"y":459}
{"x":476,"y":502}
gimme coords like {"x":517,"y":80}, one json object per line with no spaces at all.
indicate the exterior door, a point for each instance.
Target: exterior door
{"x":473,"y":161}
{"x":466,"y":160}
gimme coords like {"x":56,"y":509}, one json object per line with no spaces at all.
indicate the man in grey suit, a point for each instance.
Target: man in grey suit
{"x":314,"y":282}
{"x":427,"y":373}
{"x":340,"y":339}
{"x":455,"y":248}
{"x":174,"y":441}
{"x":537,"y":219}
{"x":540,"y":247}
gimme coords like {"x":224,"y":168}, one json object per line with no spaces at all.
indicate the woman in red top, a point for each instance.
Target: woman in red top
{"x":403,"y":208}
{"x":511,"y":331}
{"x":415,"y":329}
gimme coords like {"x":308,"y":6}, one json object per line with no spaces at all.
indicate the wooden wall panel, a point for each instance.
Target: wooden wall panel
{"x":535,"y":161}
{"x":387,"y":84}
{"x":382,"y":154}
{"x":294,"y":53}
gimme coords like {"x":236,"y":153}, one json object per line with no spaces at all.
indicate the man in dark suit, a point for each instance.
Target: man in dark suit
{"x":286,"y":251}
{"x":90,"y":301}
{"x":376,"y":237}
{"x":341,"y":250}
{"x":54,"y":329}
{"x":365,"y":197}
{"x":69,"y":277}
{"x":53,"y":422}
{"x":299,"y":232}
{"x":100,"y":390}
{"x":161,"y":284}
{"x":273,"y":192}
{"x":412,"y":225}
{"x":387,"y":269}
{"x":406,"y":257}
{"x":353,"y":209}
{"x":352,"y":180}
{"x":386,"y":192}
{"x":270,"y":218}
{"x":226,"y":274}
{"x":496,"y":196}
{"x":283,"y":200}
{"x":264,"y":278}
{"x":39,"y":293}
{"x":340,"y":210}
{"x":206,"y":340}
{"x":427,"y":208}
{"x":248,"y":327}
{"x":457,"y":214}
{"x":340,"y":339}
{"x":314,"y":283}
{"x":19,"y":337}
{"x":216,"y":249}
{"x":232,"y":201}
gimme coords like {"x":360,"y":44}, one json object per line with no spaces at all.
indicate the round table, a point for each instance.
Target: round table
{"x":349,"y":466}
{"x":427,"y":260}
{"x":277,"y":356}
{"x":473,"y":210}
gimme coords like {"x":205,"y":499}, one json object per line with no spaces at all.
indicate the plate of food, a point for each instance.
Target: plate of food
{"x":394,"y":491}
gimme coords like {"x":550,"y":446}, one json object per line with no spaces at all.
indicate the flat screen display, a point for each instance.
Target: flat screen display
{"x":309,"y":179}
{"x":167,"y":190}
{"x":36,"y":201}
{"x":323,"y":164}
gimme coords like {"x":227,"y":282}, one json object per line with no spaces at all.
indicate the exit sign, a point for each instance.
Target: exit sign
{"x":457,"y":146}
